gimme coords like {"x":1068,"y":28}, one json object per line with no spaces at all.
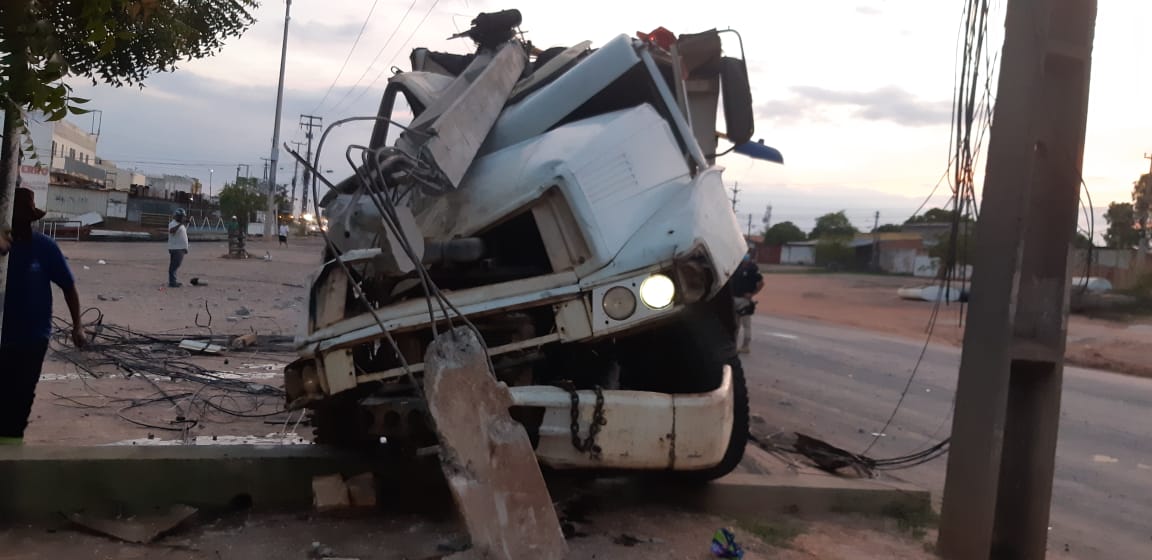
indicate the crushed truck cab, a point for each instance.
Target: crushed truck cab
{"x":564,"y":204}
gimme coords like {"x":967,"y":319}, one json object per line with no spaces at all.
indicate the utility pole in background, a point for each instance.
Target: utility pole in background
{"x":735,"y":192}
{"x":247,"y":171}
{"x":313,"y":122}
{"x":749,"y":225}
{"x":265,"y":176}
{"x":998,"y":491}
{"x":270,"y":220}
{"x":876,"y":242}
{"x":1146,"y":242}
{"x":295,"y":170}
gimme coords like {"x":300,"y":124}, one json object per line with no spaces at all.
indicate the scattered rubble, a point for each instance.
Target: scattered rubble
{"x":329,"y":493}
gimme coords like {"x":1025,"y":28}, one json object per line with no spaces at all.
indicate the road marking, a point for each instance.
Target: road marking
{"x":783,"y":335}
{"x":1104,"y":459}
{"x":1143,"y":466}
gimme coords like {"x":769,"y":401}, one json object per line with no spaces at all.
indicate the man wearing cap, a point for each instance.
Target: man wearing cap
{"x":177,"y":246}
{"x":34,"y":264}
{"x":746,"y":283}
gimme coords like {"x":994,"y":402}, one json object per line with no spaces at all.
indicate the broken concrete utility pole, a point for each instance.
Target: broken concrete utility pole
{"x":274,"y":156}
{"x":999,"y":486}
{"x":486,"y":455}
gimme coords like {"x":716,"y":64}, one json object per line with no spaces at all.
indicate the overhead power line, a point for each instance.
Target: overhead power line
{"x":379,"y":53}
{"x":398,"y":51}
{"x":349,"y":56}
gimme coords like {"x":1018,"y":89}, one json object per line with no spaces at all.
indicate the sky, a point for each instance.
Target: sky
{"x":855,"y":93}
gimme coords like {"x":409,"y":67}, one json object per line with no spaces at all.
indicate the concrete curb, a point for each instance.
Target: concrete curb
{"x":40,"y":482}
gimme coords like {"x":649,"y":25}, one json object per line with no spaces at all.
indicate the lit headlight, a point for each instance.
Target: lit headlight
{"x":657,"y":291}
{"x":619,"y":303}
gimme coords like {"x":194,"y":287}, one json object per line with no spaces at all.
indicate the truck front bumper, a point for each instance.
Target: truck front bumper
{"x":641,"y":430}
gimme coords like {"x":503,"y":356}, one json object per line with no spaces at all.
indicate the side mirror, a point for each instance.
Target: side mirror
{"x":739,"y":117}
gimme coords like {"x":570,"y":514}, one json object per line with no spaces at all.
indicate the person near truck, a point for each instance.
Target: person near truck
{"x":177,"y":245}
{"x":747,"y":282}
{"x":34,"y":264}
{"x":284,"y":234}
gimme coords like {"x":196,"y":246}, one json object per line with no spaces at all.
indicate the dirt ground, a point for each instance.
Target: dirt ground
{"x":635,"y":534}
{"x":127,"y":283}
{"x":870,"y":302}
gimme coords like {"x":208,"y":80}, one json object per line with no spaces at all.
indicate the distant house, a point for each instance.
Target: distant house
{"x":932,"y":232}
{"x":798,"y":253}
{"x":761,"y":252}
{"x":895,"y":253}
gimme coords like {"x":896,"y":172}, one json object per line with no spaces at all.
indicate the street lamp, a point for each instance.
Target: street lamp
{"x":210,"y":172}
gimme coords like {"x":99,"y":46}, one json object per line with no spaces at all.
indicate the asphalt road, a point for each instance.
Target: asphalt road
{"x":840,"y":384}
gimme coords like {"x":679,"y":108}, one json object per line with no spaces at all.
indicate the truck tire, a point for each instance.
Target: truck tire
{"x":738,"y":438}
{"x":696,"y":346}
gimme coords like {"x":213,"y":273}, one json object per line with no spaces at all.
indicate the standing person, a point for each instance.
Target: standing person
{"x":34,"y":264}
{"x":177,"y":245}
{"x":747,"y":282}
{"x":284,"y":234}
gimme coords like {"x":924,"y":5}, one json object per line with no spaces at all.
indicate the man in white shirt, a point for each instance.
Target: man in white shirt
{"x":177,"y":245}
{"x":284,"y":234}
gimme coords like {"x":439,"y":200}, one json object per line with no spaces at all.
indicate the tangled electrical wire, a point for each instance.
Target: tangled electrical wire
{"x":832,"y":459}
{"x":157,"y":358}
{"x":389,"y":176}
{"x":972,"y":111}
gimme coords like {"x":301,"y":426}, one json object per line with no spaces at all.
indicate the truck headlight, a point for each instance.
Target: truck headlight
{"x":657,"y":291}
{"x":620,"y":303}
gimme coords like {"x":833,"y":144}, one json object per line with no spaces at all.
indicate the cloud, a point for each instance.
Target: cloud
{"x":887,"y":104}
{"x":192,"y":124}
{"x":866,"y":10}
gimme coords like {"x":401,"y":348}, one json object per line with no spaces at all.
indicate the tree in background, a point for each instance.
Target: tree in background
{"x":887,"y":228}
{"x":1141,"y":201}
{"x":118,"y":42}
{"x":1122,"y":232}
{"x":242,"y":199}
{"x":936,"y":216}
{"x":834,"y":254}
{"x":1081,"y":241}
{"x":783,"y":232}
{"x":833,"y":225}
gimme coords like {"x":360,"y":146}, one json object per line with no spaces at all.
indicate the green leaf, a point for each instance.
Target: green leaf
{"x":77,"y":110}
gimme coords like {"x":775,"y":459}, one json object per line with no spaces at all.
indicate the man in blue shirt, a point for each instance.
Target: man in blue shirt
{"x":34,"y":264}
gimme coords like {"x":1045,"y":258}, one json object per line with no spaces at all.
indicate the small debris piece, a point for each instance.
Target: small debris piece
{"x":362,"y":490}
{"x":319,"y":550}
{"x":724,"y":545}
{"x":198,"y":282}
{"x":329,"y":493}
{"x":242,"y":312}
{"x":291,"y":285}
{"x":624,"y":539}
{"x":201,"y":346}
{"x":243,"y":341}
{"x":139,"y":529}
{"x":101,"y":297}
{"x":101,"y":261}
{"x":486,"y":455}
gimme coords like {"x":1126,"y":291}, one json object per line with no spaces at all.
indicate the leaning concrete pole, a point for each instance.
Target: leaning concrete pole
{"x":1001,"y":462}
{"x":270,"y":220}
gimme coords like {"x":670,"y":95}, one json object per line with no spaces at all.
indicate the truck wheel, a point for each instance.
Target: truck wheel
{"x":737,"y":440}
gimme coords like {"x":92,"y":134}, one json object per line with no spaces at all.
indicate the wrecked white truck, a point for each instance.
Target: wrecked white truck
{"x":566,"y":205}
